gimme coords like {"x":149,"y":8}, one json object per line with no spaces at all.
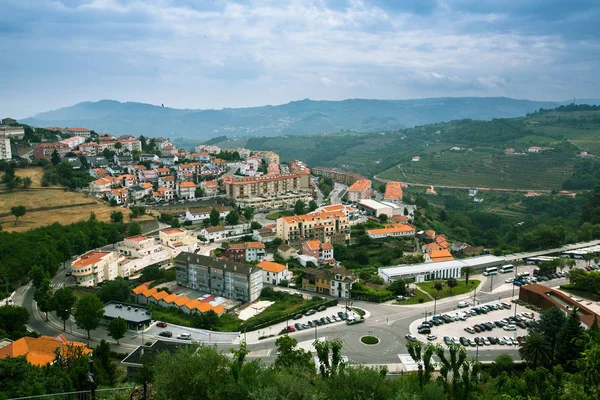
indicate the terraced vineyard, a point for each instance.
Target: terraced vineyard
{"x":524,"y":172}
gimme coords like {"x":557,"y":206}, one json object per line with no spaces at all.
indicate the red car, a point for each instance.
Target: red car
{"x":161,"y":324}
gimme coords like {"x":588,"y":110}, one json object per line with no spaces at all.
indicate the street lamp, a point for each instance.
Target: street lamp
{"x":477,"y":351}
{"x":315,"y":332}
{"x":91,"y":380}
{"x":492,"y":282}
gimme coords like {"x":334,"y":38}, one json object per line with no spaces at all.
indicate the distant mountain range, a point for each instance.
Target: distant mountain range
{"x":296,"y":117}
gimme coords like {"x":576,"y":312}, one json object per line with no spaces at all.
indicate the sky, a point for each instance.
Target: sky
{"x":235,"y":53}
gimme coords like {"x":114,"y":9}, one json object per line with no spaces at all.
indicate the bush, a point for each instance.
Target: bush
{"x":369,"y":340}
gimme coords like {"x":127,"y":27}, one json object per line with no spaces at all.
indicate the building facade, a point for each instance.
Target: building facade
{"x":224,"y":278}
{"x":323,"y":226}
{"x":94,"y":267}
{"x":360,"y":190}
{"x":5,"y":151}
{"x":45,"y":150}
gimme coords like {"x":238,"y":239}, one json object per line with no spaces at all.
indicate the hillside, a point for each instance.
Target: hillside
{"x":563,"y":133}
{"x":297,"y":117}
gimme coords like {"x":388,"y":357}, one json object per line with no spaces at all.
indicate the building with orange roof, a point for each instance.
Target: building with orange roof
{"x":532,"y":194}
{"x":131,"y":144}
{"x":439,"y":255}
{"x":100,"y":187}
{"x":401,"y":230}
{"x":94,"y":267}
{"x":400,"y":219}
{"x":177,"y":240}
{"x":430,"y":247}
{"x":180,"y":301}
{"x":274,"y":273}
{"x":120,"y":195}
{"x":323,"y":252}
{"x":210,"y":188}
{"x":323,"y":226}
{"x":76,"y":131}
{"x":41,"y":351}
{"x":360,"y":190}
{"x":169,"y":300}
{"x":164,"y":194}
{"x":247,"y":251}
{"x":393,"y":192}
{"x":186,"y":190}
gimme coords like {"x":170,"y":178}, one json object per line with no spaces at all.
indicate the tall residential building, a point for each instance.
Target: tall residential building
{"x":5,"y":152}
{"x":324,"y":226}
{"x":360,"y":190}
{"x":94,"y":267}
{"x":261,"y":192}
{"x":337,"y":175}
{"x":225,"y":278}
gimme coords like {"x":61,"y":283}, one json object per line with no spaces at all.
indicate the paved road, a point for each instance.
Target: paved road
{"x":339,"y":190}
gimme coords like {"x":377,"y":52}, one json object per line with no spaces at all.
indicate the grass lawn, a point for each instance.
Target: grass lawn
{"x":279,"y":214}
{"x":445,"y":292}
{"x":580,"y":293}
{"x":77,"y":206}
{"x":416,"y":299}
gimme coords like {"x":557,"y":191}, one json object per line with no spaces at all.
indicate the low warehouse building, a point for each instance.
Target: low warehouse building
{"x":137,"y":317}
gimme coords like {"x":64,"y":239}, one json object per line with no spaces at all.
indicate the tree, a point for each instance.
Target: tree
{"x":206,"y":320}
{"x":89,"y":312}
{"x":451,"y":283}
{"x":232,"y":218}
{"x":92,"y":217}
{"x":467,"y":272}
{"x":18,"y":212}
{"x":422,"y":202}
{"x":422,"y":356}
{"x":116,"y":290}
{"x":214,"y":217}
{"x":64,"y":300}
{"x":570,"y":342}
{"x":255,"y":225}
{"x":55,"y":158}
{"x":312,"y":205}
{"x":13,"y":319}
{"x":38,"y":274}
{"x":248,"y":213}
{"x":116,"y":216}
{"x":299,"y":207}
{"x":536,"y":351}
{"x":118,"y":146}
{"x":289,"y":356}
{"x":113,"y":202}
{"x":383,"y":217}
{"x":549,"y":324}
{"x":26,"y":182}
{"x":46,"y":303}
{"x":329,"y":365}
{"x":439,"y":286}
{"x":398,"y":287}
{"x":134,"y":229}
{"x":117,"y":328}
{"x":405,"y":211}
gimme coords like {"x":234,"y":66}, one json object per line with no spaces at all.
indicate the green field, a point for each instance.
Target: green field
{"x":462,"y":288}
{"x":279,"y":214}
{"x":418,"y":298}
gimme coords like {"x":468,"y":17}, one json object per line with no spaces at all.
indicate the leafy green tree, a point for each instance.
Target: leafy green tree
{"x":92,"y":217}
{"x":467,"y":272}
{"x":423,"y":357}
{"x":214,"y":217}
{"x":439,"y":286}
{"x":383,"y":217}
{"x":398,"y":287}
{"x":18,"y":212}
{"x":116,"y":216}
{"x":13,"y":319}
{"x":329,"y":365}
{"x":64,"y":300}
{"x":27,"y":182}
{"x":232,"y":218}
{"x":134,"y":229}
{"x":502,"y":363}
{"x":549,"y":324}
{"x":248,"y":213}
{"x":116,"y":290}
{"x":89,"y":312}
{"x":55,"y":158}
{"x":117,"y":328}
{"x":299,"y":207}
{"x":255,"y":225}
{"x":536,"y":351}
{"x":289,"y":356}
{"x":422,"y":202}
{"x":312,"y":205}
{"x":207,"y":320}
{"x":38,"y":274}
{"x":451,"y":283}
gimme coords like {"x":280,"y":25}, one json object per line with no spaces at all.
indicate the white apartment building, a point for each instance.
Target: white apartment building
{"x":186,"y":190}
{"x":74,"y":141}
{"x":274,"y":273}
{"x":5,"y":152}
{"x":94,"y":267}
{"x":177,"y":240}
{"x":131,"y":144}
{"x":84,"y":132}
{"x":141,"y":252}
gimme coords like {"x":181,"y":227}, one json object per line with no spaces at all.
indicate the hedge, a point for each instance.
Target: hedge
{"x":260,"y":322}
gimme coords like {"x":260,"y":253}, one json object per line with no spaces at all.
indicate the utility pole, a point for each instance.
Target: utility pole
{"x":492,"y":282}
{"x":425,"y":315}
{"x":434,"y":304}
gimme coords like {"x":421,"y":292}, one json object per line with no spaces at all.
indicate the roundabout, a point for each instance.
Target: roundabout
{"x":370,"y":340}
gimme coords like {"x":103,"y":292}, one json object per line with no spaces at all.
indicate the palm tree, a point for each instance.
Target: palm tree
{"x":588,"y":257}
{"x":536,"y":350}
{"x":467,"y":272}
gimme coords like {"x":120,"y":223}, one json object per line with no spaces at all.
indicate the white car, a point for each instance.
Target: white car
{"x":501,"y":341}
{"x":433,"y":336}
{"x":411,"y":338}
{"x":509,"y":328}
{"x":184,"y":336}
{"x":509,"y":280}
{"x":507,"y":340}
{"x":455,"y":340}
{"x":486,"y":341}
{"x":514,"y":341}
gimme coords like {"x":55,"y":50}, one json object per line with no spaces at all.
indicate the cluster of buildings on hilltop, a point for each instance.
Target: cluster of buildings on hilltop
{"x":131,"y":256}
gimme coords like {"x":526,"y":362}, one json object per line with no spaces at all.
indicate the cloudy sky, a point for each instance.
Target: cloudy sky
{"x":233,"y":53}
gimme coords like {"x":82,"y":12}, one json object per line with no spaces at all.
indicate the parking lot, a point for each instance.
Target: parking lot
{"x":455,"y":330}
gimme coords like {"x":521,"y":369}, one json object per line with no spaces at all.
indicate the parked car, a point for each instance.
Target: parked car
{"x":493,"y":340}
{"x":184,"y":336}
{"x":343,"y":315}
{"x":509,"y":328}
{"x":520,"y":339}
{"x":298,"y":326}
{"x":477,"y":328}
{"x":321,"y":308}
{"x":287,"y":329}
{"x":507,"y":340}
{"x":448,"y":340}
{"x":431,"y":336}
{"x":410,"y":337}
{"x":68,"y":274}
{"x":310,"y":312}
{"x":161,"y":324}
{"x":298,"y":316}
{"x":455,"y":340}
{"x":486,"y":341}
{"x":469,"y":329}
{"x":165,"y":334}
{"x":424,"y":331}
{"x":352,"y":321}
{"x":464,"y":341}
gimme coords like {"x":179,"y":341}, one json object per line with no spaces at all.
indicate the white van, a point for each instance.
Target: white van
{"x":463,"y":304}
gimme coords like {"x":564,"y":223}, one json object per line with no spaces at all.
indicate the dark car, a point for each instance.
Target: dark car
{"x":477,"y":328}
{"x":426,"y":323}
{"x":493,"y":340}
{"x":520,"y":339}
{"x":321,"y":308}
{"x":298,"y":316}
{"x":287,"y":329}
{"x":324,"y":321}
{"x":310,"y":324}
{"x":310,"y":312}
{"x":161,"y":324}
{"x":522,"y":325}
{"x":166,"y":334}
{"x":464,"y":341}
{"x":298,"y":326}
{"x":317,"y":322}
{"x":499,"y":324}
{"x":424,"y":330}
{"x":343,"y":315}
{"x":448,"y":340}
{"x":68,"y":274}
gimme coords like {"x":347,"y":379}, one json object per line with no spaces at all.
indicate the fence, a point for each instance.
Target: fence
{"x":106,"y":394}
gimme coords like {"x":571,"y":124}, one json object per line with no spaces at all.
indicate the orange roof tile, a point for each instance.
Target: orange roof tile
{"x":218,"y":309}
{"x":172,"y":231}
{"x":393,"y":190}
{"x":170,"y":298}
{"x":181,"y":301}
{"x":440,"y":255}
{"x":313,"y":244}
{"x":139,"y":289}
{"x":326,"y":246}
{"x":39,"y":351}
{"x":187,"y":184}
{"x":89,"y":258}
{"x":394,"y":229}
{"x":160,"y":295}
{"x":255,"y":245}
{"x":360,"y":185}
{"x":270,"y":266}
{"x":149,"y":292}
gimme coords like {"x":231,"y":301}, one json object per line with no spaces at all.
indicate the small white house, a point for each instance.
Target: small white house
{"x":274,"y":273}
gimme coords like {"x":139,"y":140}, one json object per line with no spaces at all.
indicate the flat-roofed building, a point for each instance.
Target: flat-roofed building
{"x":84,"y":132}
{"x":400,"y":230}
{"x":12,"y":132}
{"x":94,"y":267}
{"x":337,"y":175}
{"x":265,"y":192}
{"x":177,"y":240}
{"x":230,"y":279}
{"x":5,"y":151}
{"x":360,"y":190}
{"x":45,"y":150}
